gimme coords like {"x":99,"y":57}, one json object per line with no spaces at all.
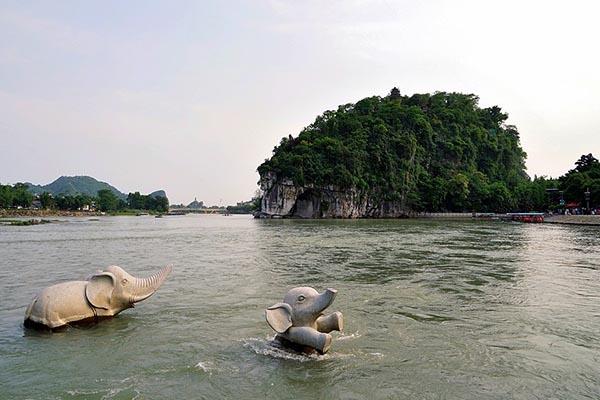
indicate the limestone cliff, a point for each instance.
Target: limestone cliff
{"x":283,"y":199}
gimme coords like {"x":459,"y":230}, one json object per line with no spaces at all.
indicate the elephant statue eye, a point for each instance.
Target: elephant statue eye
{"x":301,"y":298}
{"x":124,"y":281}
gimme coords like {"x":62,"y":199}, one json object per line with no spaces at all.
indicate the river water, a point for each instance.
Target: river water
{"x":433,"y":309}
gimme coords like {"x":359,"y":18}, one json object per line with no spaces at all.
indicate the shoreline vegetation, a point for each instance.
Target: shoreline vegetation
{"x":25,"y":222}
{"x":21,"y":213}
{"x":19,"y":199}
{"x":44,"y":213}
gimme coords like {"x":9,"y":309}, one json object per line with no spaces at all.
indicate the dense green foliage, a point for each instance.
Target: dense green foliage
{"x":245,"y":207}
{"x":107,"y":201}
{"x":147,"y":202}
{"x":70,"y":203}
{"x":15,"y":196}
{"x":585,"y":175}
{"x":434,"y":152}
{"x":534,"y":196}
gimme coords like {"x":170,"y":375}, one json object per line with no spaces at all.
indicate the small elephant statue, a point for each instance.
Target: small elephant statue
{"x":300,"y":323}
{"x":102,"y":295}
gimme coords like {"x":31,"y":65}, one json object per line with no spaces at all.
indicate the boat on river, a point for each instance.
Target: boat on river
{"x":531,"y":217}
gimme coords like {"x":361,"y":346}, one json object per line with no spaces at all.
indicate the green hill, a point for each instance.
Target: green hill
{"x":158,"y":193}
{"x":72,"y":185}
{"x":384,"y":156}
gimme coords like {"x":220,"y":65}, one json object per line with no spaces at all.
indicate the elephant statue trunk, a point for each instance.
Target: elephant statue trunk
{"x":145,"y":287}
{"x":102,"y":295}
{"x":299,"y":320}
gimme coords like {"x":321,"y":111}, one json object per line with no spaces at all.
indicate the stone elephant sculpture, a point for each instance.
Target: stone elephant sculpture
{"x":102,"y":295}
{"x":299,"y":320}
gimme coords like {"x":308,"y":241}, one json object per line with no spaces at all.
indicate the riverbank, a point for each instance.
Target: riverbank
{"x":593,"y":220}
{"x":27,"y":213}
{"x":13,"y":213}
{"x":25,"y":222}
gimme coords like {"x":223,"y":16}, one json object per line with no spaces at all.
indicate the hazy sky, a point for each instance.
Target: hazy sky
{"x":191,"y":97}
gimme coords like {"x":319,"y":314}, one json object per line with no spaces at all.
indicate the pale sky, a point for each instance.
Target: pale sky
{"x":191,"y":97}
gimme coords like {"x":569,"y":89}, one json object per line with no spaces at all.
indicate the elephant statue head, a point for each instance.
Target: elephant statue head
{"x":299,"y":320}
{"x":104,"y":294}
{"x":115,"y":290}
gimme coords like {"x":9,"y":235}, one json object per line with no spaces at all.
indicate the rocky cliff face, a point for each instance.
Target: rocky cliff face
{"x":283,"y":199}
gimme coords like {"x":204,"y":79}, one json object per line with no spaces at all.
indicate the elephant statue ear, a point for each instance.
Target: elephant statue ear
{"x":99,"y":289}
{"x":279,"y":317}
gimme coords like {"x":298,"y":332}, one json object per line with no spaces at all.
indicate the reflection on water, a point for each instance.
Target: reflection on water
{"x":433,"y":309}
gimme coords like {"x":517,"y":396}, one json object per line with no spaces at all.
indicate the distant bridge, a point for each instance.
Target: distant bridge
{"x":185,"y":210}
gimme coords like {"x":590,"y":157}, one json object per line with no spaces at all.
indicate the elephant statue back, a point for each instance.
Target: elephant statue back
{"x":103,"y":295}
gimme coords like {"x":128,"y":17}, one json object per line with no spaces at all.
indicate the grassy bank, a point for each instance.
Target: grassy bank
{"x":15,"y":213}
{"x":24,"y":222}
{"x":20,"y":213}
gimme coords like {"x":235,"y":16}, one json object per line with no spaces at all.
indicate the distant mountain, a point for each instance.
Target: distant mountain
{"x":158,"y":193}
{"x":196,"y":204}
{"x":72,"y":185}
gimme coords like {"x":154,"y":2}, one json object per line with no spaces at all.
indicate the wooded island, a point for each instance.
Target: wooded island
{"x":392,"y":155}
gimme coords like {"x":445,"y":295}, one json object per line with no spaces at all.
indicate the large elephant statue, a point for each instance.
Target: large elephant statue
{"x":102,"y":295}
{"x":299,"y":321}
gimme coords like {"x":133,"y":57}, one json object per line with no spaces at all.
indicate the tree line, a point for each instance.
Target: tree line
{"x":585,"y":177}
{"x":17,"y":195}
{"x":245,"y":207}
{"x":430,"y":152}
